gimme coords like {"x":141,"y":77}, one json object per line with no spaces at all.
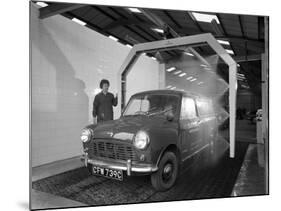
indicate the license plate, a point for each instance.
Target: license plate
{"x":107,"y":172}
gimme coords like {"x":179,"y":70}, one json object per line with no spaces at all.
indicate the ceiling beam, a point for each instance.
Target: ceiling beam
{"x":225,"y":32}
{"x":216,"y":28}
{"x":126,"y":22}
{"x":172,"y":18}
{"x":160,"y":23}
{"x":56,"y":9}
{"x":195,"y":22}
{"x":241,"y":26}
{"x":143,"y":29}
{"x":197,"y":25}
{"x":96,"y":28}
{"x":260,"y":21}
{"x":247,"y":58}
{"x":115,"y":19}
{"x":241,"y":39}
{"x":234,"y":39}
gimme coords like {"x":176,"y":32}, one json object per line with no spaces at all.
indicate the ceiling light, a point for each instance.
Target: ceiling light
{"x":135,"y":10}
{"x":153,"y":58}
{"x":223,"y":42}
{"x":113,"y":38}
{"x":203,"y":65}
{"x":182,"y":74}
{"x":42,"y":4}
{"x":129,"y":46}
{"x":168,"y":86}
{"x":189,"y":54}
{"x":238,"y":65}
{"x":205,"y":17}
{"x":194,"y":79}
{"x":173,"y":88}
{"x":170,"y":69}
{"x":177,"y":72}
{"x":200,"y":83}
{"x":158,"y":30}
{"x":229,"y":51}
{"x":188,"y":78}
{"x":78,"y":21}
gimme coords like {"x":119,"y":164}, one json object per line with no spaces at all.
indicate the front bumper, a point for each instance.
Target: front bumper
{"x":127,"y":166}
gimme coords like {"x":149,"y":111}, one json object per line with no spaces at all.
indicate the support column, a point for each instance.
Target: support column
{"x":264,"y":93}
{"x":232,"y":107}
{"x":265,"y":99}
{"x":162,"y":76}
{"x":119,"y":91}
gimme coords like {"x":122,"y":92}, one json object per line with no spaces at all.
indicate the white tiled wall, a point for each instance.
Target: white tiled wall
{"x":68,"y":61}
{"x":143,"y":76}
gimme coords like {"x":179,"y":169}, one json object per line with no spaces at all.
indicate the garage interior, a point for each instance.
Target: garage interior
{"x":74,"y":46}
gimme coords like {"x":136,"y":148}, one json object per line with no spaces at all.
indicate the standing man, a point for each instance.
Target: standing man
{"x":103,"y":102}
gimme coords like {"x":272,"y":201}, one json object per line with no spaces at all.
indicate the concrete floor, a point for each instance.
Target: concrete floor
{"x":54,"y":168}
{"x":249,"y":179}
{"x":41,"y":200}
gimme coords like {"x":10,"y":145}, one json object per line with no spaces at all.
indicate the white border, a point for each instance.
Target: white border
{"x":15,"y":103}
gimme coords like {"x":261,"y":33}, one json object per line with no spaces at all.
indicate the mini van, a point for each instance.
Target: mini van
{"x":157,"y":131}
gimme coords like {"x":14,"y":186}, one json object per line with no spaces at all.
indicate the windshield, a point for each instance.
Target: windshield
{"x":152,"y":104}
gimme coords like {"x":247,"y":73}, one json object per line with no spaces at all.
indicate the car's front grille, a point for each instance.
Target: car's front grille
{"x":111,"y":149}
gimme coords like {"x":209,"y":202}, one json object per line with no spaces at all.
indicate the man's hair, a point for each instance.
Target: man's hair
{"x":102,"y":82}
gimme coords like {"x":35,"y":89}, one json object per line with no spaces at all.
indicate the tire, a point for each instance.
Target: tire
{"x":167,"y":173}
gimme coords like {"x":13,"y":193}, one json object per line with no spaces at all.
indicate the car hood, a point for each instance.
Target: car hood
{"x":126,"y":127}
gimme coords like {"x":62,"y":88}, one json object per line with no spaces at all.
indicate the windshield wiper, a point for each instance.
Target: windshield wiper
{"x":160,"y":112}
{"x":141,"y":113}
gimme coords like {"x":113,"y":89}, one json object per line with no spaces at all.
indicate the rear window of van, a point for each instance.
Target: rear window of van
{"x":204,"y":107}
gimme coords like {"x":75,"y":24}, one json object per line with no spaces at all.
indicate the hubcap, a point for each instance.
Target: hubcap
{"x":167,"y":171}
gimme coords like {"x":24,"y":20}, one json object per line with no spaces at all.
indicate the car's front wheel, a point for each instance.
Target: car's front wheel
{"x":167,"y":173}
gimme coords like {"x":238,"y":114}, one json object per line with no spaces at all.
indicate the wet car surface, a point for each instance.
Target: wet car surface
{"x":157,"y":131}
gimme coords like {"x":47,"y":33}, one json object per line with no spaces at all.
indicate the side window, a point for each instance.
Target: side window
{"x":205,"y":107}
{"x":188,"y":109}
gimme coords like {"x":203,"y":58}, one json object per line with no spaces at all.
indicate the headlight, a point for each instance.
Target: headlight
{"x":141,"y":140}
{"x":86,"y":135}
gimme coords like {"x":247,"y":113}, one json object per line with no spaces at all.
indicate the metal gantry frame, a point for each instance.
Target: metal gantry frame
{"x":167,"y":44}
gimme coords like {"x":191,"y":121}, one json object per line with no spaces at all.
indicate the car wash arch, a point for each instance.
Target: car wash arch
{"x":188,"y":43}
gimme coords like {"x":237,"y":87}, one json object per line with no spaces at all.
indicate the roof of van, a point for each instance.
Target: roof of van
{"x":167,"y":91}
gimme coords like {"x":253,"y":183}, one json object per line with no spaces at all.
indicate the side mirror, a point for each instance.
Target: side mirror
{"x":170,"y":116}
